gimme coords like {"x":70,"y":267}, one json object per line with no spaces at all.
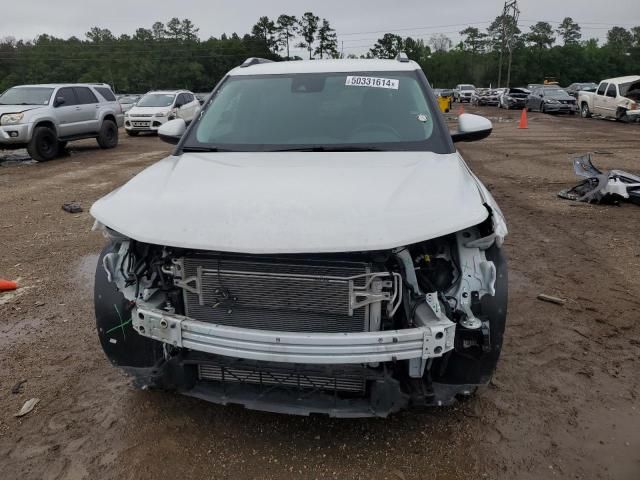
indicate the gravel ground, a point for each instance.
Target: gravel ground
{"x":563,"y":404}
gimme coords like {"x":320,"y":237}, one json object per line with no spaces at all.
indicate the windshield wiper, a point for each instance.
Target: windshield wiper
{"x":204,"y":149}
{"x":331,"y":149}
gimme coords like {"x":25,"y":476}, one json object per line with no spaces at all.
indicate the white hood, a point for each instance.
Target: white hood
{"x":295,"y":203}
{"x":133,"y":111}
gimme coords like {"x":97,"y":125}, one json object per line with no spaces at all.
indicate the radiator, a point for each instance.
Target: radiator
{"x":280,"y":294}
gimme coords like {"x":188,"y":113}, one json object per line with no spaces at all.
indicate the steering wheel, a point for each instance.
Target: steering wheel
{"x":376,"y":126}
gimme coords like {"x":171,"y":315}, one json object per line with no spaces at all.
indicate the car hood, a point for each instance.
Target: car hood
{"x":17,"y":108}
{"x":148,"y":110}
{"x":290,"y":202}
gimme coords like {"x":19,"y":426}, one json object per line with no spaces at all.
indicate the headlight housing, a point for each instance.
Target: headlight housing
{"x":161,"y":114}
{"x":11,"y":118}
{"x":550,"y":100}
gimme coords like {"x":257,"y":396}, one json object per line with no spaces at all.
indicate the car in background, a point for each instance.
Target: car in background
{"x":43,"y":118}
{"x":514,"y":98}
{"x":615,"y":98}
{"x":127,"y":102}
{"x":551,"y":99}
{"x":485,"y":97}
{"x":575,"y":88}
{"x":250,"y":273}
{"x":463,"y":93}
{"x":203,"y":97}
{"x":158,"y":107}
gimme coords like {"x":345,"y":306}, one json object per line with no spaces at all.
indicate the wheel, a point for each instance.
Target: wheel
{"x":584,"y":111}
{"x":621,"y":116}
{"x":542,"y":109}
{"x":132,"y":133}
{"x":43,"y":145}
{"x":108,"y":136}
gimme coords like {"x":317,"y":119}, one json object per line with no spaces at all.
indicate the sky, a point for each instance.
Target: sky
{"x":357,"y":23}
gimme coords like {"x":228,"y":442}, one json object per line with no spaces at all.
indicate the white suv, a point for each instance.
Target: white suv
{"x":158,"y":107}
{"x":314,"y":244}
{"x":463,"y":93}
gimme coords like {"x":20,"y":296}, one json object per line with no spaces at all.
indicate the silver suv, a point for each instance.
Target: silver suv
{"x":43,"y":118}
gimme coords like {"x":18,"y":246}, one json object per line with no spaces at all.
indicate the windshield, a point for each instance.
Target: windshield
{"x":156,"y":100}
{"x":327,"y":111}
{"x":127,"y":100}
{"x":555,"y":92}
{"x":467,"y":87}
{"x":26,"y":96}
{"x":624,"y":88}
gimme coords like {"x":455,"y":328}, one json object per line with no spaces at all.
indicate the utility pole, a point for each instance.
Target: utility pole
{"x":510,"y":15}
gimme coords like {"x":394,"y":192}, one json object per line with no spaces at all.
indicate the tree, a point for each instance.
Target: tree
{"x":327,"y":40}
{"x":500,"y":30}
{"x":541,"y":35}
{"x":388,"y":46}
{"x":174,"y":29}
{"x":440,"y":42}
{"x":569,"y":31}
{"x":308,"y":25}
{"x":619,"y":38}
{"x":287,"y":27}
{"x":635,"y":31}
{"x":416,"y":49}
{"x":97,"y":34}
{"x":188,"y":31}
{"x":474,"y":41}
{"x":265,"y":31}
{"x":158,"y":30}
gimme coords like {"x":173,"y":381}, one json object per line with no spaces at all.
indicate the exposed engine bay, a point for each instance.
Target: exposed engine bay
{"x":351,"y":334}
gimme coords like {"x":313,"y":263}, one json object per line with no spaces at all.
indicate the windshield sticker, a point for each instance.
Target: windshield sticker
{"x":423,"y":118}
{"x":373,"y":82}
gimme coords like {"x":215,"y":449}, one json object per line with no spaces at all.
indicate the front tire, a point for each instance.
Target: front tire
{"x":584,"y":111}
{"x":108,"y":137}
{"x":43,"y":145}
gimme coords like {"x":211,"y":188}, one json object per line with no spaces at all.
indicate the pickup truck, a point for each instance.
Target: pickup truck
{"x":616,"y":98}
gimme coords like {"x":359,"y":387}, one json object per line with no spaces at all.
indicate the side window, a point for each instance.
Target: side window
{"x":189,"y":97}
{"x":181,"y":100}
{"x":68,"y":95}
{"x":106,"y":93}
{"x":612,"y":91}
{"x":85,"y":96}
{"x":602,"y":88}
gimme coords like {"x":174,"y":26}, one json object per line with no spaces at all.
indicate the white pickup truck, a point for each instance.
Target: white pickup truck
{"x":616,"y":98}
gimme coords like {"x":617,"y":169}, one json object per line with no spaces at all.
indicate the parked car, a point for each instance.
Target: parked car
{"x":127,"y":102}
{"x":158,"y":107}
{"x":484,"y":97}
{"x":43,"y":118}
{"x":514,"y":98}
{"x":615,"y":98}
{"x":551,"y":99}
{"x":463,"y":93}
{"x":575,"y":88}
{"x":245,"y":269}
{"x":203,"y":97}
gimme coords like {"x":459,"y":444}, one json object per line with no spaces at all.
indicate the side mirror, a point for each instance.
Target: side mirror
{"x":59,"y":101}
{"x":472,"y":128}
{"x":172,"y":131}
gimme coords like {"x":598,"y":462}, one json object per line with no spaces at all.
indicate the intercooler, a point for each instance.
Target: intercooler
{"x":283,"y":294}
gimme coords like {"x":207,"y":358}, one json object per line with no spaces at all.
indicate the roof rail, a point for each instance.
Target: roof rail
{"x":254,"y":61}
{"x":402,"y":57}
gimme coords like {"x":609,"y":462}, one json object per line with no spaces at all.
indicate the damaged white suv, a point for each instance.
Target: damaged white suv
{"x":315,"y":244}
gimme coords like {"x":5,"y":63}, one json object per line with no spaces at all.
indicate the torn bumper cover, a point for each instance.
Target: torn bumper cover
{"x":608,"y":187}
{"x":291,"y":347}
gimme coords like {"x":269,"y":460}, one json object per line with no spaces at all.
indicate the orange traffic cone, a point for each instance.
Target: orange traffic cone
{"x":524,"y":123}
{"x":461,"y":110}
{"x":6,"y":285}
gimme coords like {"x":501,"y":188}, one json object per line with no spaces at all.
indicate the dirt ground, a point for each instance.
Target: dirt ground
{"x":565,"y":401}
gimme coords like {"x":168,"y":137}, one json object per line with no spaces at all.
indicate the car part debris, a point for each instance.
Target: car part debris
{"x":27,"y":407}
{"x":606,"y":187}
{"x":17,"y":387}
{"x":550,"y":299}
{"x":72,"y":207}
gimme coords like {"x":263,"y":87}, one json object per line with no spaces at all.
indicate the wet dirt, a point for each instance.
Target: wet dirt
{"x":563,"y":403}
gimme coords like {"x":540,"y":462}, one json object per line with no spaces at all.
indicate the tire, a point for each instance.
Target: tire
{"x":132,"y":133}
{"x":584,"y":111}
{"x":542,"y":109}
{"x":108,"y":136}
{"x":43,"y":145}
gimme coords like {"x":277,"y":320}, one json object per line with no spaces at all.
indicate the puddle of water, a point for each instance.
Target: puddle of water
{"x":16,"y":157}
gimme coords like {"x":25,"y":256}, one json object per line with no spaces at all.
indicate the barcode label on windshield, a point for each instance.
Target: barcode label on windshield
{"x":373,"y":82}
